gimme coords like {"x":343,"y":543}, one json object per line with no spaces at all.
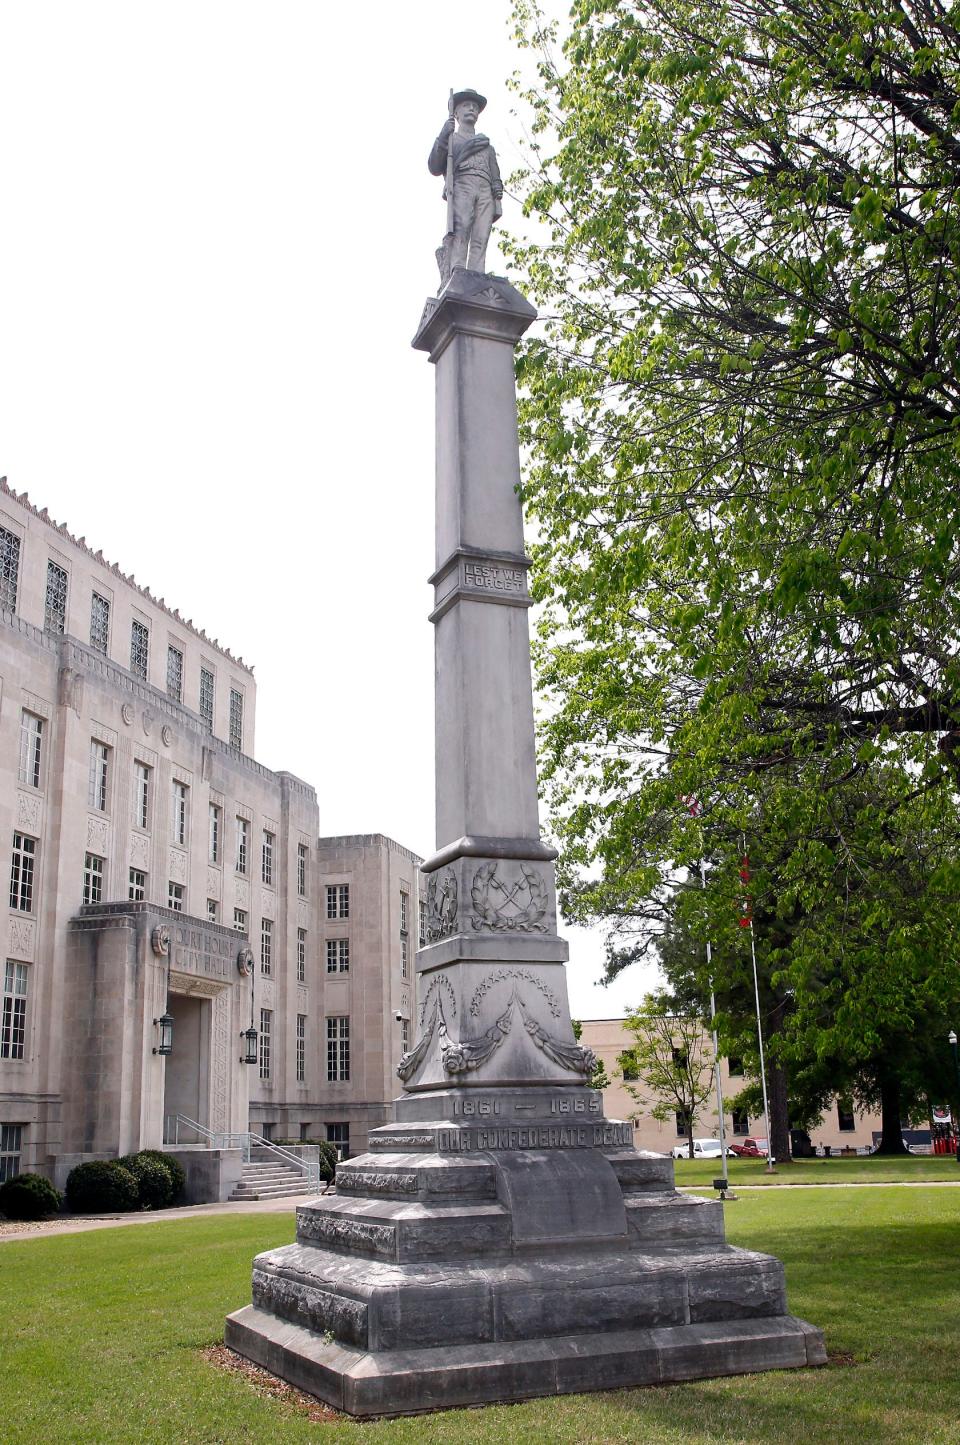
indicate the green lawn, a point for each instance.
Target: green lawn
{"x":101,"y":1333}
{"x":910,"y":1168}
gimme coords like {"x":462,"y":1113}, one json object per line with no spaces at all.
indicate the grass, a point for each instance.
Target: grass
{"x":907,"y":1169}
{"x":101,"y":1336}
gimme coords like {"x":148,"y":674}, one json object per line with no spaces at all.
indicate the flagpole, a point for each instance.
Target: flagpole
{"x":716,"y":1047}
{"x":756,"y":995}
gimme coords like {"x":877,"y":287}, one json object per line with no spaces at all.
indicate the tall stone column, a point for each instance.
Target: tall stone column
{"x":493,"y":1005}
{"x":502,"y":1238}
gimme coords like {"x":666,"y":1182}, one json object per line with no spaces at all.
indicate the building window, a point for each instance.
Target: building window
{"x":141,"y":795}
{"x":338,"y":955}
{"x":92,"y":878}
{"x":338,"y":1050}
{"x":301,"y":1048}
{"x":97,"y":784}
{"x":741,"y":1123}
{"x":99,"y":623}
{"x":206,"y":696}
{"x":21,"y":872}
{"x":302,"y":869}
{"x":214,"y":833}
{"x":243,"y":839}
{"x":138,"y":886}
{"x":13,"y":1033}
{"x":339,"y":1135}
{"x":9,"y":568}
{"x":175,"y":674}
{"x":266,"y":946}
{"x":55,"y":602}
{"x":240,"y":920}
{"x":175,"y":896}
{"x":266,"y":1020}
{"x":846,"y":1123}
{"x":338,"y":900}
{"x":404,"y":911}
{"x":266,"y":858}
{"x":213,"y":910}
{"x":31,"y":749}
{"x":404,"y":956}
{"x":681,"y":1118}
{"x":422,"y":919}
{"x":304,"y":1131}
{"x":139,"y":649}
{"x":301,"y":955}
{"x":236,"y":719}
{"x":734,"y":1066}
{"x":405,"y":1035}
{"x":180,"y":813}
{"x":11,"y":1147}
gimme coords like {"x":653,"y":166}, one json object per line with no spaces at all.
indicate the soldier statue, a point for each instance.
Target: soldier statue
{"x":473,"y":189}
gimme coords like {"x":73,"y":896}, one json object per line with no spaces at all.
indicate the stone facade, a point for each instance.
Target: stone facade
{"x":155,"y":867}
{"x":609,"y":1038}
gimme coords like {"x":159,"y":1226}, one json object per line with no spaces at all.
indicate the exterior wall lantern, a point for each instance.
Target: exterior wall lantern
{"x":249,"y":1037}
{"x":165,"y":1025}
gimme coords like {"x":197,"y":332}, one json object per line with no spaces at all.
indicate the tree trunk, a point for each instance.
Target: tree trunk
{"x":891,"y":1138}
{"x":779,"y":1141}
{"x":690,"y":1135}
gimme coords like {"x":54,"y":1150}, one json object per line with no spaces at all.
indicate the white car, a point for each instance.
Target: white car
{"x":702,"y":1149}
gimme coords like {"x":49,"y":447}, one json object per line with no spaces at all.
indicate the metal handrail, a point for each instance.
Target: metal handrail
{"x":246,"y":1142}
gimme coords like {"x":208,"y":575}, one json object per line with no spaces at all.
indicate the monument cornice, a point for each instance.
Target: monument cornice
{"x":522,"y":849}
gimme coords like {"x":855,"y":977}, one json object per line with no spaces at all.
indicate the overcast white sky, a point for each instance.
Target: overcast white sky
{"x":217,"y":239}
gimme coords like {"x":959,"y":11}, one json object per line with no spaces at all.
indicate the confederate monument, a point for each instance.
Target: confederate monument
{"x":502,"y":1238}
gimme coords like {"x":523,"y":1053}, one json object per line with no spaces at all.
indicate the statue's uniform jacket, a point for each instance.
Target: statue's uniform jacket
{"x":477,"y":189}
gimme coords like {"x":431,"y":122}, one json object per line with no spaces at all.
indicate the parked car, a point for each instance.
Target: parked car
{"x":750,"y":1149}
{"x":702,"y":1149}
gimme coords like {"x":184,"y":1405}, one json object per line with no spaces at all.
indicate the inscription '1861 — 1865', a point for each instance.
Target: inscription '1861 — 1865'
{"x":492,"y":578}
{"x":533,"y":1136}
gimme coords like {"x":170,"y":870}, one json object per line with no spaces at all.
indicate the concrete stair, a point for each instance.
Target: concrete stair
{"x":270,"y":1181}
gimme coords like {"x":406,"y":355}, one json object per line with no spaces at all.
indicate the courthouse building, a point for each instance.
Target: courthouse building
{"x":168,"y":892}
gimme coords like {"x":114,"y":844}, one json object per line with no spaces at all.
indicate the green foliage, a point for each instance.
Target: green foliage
{"x":328,"y":1159}
{"x":670,"y":1059}
{"x":29,"y":1196}
{"x":742,"y":418}
{"x":598,"y":1075}
{"x":174,"y":1168}
{"x":154,"y":1180}
{"x":101,"y":1186}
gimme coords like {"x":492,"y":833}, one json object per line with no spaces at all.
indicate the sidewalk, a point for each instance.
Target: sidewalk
{"x":79,"y":1224}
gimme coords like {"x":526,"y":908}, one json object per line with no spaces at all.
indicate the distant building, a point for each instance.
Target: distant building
{"x":158,"y":874}
{"x":840,"y":1128}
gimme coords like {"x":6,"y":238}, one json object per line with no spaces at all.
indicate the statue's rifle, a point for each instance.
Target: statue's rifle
{"x":445,"y":251}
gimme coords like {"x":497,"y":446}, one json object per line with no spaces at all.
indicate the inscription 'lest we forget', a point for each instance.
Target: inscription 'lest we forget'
{"x":533,"y":1136}
{"x":494,"y":579}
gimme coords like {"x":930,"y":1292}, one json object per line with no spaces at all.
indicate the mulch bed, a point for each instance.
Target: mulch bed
{"x":263,"y":1383}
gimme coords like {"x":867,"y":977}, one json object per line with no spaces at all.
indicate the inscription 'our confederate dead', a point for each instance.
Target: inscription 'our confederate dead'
{"x":534,"y":1136}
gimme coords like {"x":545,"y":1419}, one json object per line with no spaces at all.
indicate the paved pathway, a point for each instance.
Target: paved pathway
{"x":77,"y":1224}
{"x":80,"y":1225}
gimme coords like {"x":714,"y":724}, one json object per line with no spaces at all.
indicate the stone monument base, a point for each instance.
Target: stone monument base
{"x":467,"y":1260}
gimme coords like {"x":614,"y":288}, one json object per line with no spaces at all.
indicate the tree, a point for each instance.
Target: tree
{"x":742,"y":422}
{"x":671,"y":1061}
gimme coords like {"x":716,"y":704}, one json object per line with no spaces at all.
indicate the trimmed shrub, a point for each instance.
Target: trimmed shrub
{"x":29,"y":1196}
{"x":173,"y":1167}
{"x":328,"y":1159}
{"x":101,"y":1186}
{"x":154,"y":1182}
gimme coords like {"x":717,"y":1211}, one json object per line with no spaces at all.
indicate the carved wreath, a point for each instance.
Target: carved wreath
{"x":501,"y":909}
{"x":160,"y":940}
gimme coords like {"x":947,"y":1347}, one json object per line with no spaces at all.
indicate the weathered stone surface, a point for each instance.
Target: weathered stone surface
{"x":673,"y":1219}
{"x":411,"y":1380}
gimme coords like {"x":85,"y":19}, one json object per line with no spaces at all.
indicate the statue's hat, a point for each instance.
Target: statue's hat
{"x":479,"y":100}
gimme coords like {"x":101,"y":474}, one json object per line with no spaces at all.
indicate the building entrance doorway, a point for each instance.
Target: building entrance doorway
{"x":187,"y":1081}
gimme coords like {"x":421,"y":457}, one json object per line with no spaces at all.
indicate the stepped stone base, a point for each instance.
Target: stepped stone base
{"x":394,"y":1382}
{"x":462,"y":1262}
